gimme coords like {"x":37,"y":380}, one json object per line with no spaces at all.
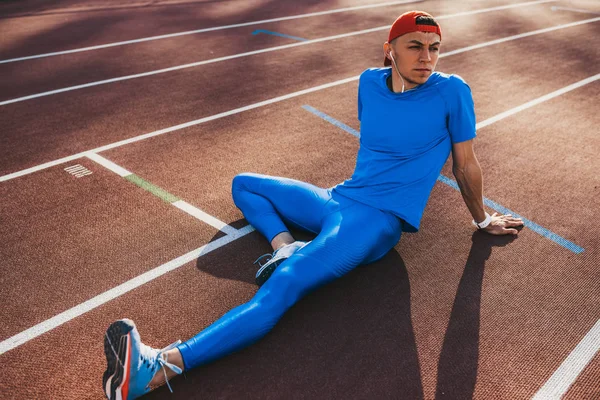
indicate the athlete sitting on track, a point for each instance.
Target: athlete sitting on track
{"x":411,"y":118}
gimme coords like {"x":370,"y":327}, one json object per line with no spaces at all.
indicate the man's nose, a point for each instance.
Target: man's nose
{"x":425,"y":55}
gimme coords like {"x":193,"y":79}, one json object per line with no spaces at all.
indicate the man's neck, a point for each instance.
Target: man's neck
{"x":395,"y":84}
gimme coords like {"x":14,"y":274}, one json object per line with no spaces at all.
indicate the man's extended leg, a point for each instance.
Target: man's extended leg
{"x":352,"y":234}
{"x":133,"y":368}
{"x":355,"y":235}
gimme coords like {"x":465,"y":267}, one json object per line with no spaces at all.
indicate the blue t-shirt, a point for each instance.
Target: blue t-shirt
{"x":405,"y":139}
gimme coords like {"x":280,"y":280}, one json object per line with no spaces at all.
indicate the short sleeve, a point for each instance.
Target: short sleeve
{"x":461,"y":118}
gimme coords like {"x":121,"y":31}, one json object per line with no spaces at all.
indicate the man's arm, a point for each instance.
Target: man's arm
{"x":467,"y":172}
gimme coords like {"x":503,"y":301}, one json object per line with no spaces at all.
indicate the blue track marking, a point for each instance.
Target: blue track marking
{"x":450,"y":182}
{"x":332,"y":121}
{"x":279,"y":34}
{"x":528,"y":223}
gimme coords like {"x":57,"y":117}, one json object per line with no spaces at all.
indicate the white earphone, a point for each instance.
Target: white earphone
{"x":396,"y":66}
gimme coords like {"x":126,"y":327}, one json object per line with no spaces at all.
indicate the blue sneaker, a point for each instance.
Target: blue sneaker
{"x":131,"y":365}
{"x":280,"y":255}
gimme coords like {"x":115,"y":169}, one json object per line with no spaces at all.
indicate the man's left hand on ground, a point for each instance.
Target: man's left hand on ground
{"x":503,"y":225}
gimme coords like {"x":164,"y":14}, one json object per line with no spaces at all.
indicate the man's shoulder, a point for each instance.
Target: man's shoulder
{"x":451,"y":87}
{"x":450,"y":81}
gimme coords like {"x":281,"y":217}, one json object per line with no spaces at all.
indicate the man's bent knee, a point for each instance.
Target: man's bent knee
{"x":242,"y":183}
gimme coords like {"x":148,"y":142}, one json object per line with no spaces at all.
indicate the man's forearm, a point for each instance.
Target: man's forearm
{"x":470,"y":181}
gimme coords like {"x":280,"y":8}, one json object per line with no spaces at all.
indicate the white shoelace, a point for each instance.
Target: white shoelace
{"x":148,"y":353}
{"x":259,"y":259}
{"x":285,"y":251}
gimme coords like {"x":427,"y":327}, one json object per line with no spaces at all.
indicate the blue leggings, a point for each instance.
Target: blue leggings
{"x":348,"y":234}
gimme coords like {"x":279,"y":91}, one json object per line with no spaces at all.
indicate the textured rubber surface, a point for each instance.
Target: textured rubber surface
{"x":447,"y":314}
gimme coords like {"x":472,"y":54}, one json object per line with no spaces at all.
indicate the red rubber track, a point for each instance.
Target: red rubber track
{"x":447,"y":314}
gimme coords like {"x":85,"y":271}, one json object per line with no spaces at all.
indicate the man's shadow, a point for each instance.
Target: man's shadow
{"x":352,"y":338}
{"x":457,"y":367}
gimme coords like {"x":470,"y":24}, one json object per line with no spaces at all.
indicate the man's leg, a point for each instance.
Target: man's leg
{"x":348,"y":238}
{"x":270,"y":203}
{"x":247,"y":323}
{"x":350,"y":235}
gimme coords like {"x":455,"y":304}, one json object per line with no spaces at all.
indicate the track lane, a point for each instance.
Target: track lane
{"x":519,"y":310}
{"x":43,"y":75}
{"x":77,"y":28}
{"x":419,"y":314}
{"x":204,"y":30}
{"x":26,"y":35}
{"x":547,"y":169}
{"x":114,"y":110}
{"x":66,"y":239}
{"x":431,"y":302}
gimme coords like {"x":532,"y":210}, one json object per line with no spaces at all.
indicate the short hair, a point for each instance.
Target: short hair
{"x":426,"y":20}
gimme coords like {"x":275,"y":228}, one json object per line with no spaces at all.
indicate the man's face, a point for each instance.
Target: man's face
{"x":416,"y":55}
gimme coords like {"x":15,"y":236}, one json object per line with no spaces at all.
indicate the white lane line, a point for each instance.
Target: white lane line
{"x":579,"y":10}
{"x":173,"y":128}
{"x":537,"y":101}
{"x":522,"y":35}
{"x":215,"y":28}
{"x":43,"y":166}
{"x":201,"y":215}
{"x":566,"y":374}
{"x":214,"y":117}
{"x":106,"y":163}
{"x":180,"y":204}
{"x":267,"y":50}
{"x":66,"y":316}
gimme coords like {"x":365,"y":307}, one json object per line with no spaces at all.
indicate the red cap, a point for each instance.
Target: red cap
{"x":407,"y":23}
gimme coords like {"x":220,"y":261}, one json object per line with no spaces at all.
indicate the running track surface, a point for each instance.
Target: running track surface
{"x":449,"y":313}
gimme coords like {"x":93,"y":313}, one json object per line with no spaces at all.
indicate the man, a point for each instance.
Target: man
{"x":411,"y":119}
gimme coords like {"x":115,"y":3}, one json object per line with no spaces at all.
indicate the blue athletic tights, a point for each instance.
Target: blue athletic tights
{"x":348,"y":234}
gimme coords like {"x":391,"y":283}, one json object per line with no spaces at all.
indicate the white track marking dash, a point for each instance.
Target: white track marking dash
{"x":566,"y":374}
{"x":74,"y":312}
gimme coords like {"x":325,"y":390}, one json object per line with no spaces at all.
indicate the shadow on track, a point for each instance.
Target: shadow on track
{"x":457,"y":367}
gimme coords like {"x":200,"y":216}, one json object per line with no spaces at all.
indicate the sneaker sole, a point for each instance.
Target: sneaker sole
{"x":266,"y":271}
{"x":117,"y":349}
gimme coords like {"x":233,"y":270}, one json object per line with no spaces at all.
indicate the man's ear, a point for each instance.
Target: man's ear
{"x":387,"y":48}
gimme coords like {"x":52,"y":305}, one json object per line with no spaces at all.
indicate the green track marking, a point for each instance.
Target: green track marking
{"x":155,"y":190}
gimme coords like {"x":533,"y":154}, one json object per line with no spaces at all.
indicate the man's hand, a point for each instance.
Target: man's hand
{"x":503,"y":225}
